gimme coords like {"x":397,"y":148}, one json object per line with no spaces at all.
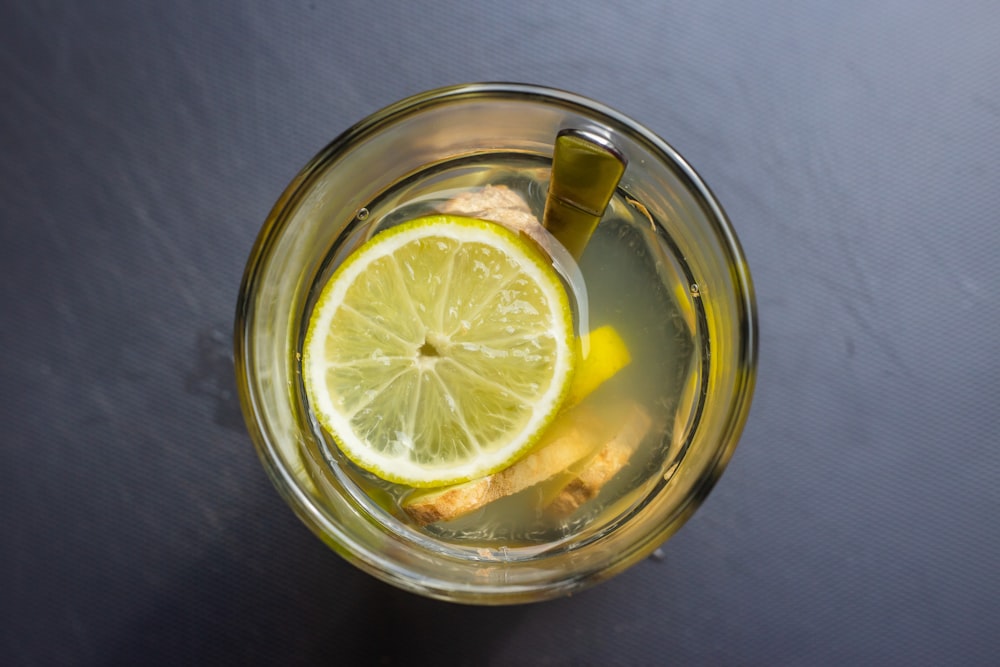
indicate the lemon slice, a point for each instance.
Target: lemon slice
{"x":439,"y":351}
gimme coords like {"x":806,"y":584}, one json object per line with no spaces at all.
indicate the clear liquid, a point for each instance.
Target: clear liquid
{"x":634,"y":282}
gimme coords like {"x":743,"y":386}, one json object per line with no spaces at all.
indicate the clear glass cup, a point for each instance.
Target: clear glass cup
{"x":328,"y":209}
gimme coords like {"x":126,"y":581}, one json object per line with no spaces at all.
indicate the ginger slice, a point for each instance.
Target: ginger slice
{"x":500,"y":204}
{"x":580,"y":434}
{"x":607,"y":463}
{"x":493,"y":202}
{"x":575,"y":434}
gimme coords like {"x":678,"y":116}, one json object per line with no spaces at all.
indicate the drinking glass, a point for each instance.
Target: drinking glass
{"x":463,"y":137}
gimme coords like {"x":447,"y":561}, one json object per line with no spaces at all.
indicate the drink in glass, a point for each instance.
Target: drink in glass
{"x":661,"y":329}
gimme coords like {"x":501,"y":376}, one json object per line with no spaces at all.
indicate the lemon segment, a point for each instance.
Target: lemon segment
{"x":606,"y":355}
{"x":439,"y":351}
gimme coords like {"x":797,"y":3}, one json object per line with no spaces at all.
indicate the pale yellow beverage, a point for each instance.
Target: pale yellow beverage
{"x":627,"y":279}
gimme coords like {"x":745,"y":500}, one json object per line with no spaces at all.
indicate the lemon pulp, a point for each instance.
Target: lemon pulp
{"x":439,"y":351}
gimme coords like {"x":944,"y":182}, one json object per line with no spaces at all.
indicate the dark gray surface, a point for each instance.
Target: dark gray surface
{"x":854,"y":145}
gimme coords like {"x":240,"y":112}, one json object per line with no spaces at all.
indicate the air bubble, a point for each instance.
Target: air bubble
{"x":362,"y":214}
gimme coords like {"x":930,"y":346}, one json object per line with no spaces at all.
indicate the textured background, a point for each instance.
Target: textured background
{"x":854,"y":145}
